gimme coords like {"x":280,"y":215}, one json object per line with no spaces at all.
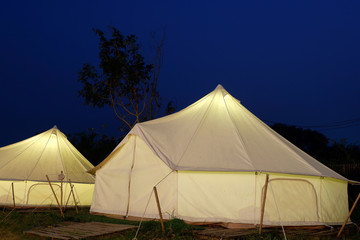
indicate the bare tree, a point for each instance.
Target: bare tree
{"x":123,"y":80}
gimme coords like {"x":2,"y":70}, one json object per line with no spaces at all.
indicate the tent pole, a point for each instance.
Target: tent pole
{"x":61,"y":177}
{"x":62,"y":214}
{"x":347,"y":218}
{"x":263,"y":203}
{"x":159,"y":209}
{"x":13,"y":193}
{"x":67,"y":201}
{"x":72,"y":192}
{"x":61,"y":193}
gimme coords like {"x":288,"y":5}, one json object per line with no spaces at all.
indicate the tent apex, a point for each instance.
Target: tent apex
{"x":219,"y":86}
{"x":222,"y":90}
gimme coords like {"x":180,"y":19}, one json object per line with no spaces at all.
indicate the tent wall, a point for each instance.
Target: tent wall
{"x":291,"y":199}
{"x":32,"y":193}
{"x":334,"y":201}
{"x":112,"y":182}
{"x":124,"y":186}
{"x":304,"y":200}
{"x":217,"y":196}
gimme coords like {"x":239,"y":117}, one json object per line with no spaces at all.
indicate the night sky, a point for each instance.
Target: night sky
{"x":294,"y":62}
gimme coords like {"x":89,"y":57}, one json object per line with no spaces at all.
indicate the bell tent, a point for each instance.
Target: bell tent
{"x":215,"y":162}
{"x":26,"y":166}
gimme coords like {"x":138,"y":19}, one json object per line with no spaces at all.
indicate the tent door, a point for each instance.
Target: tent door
{"x":41,"y":194}
{"x":291,"y":201}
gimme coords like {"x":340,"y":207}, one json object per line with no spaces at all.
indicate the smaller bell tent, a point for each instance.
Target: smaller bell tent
{"x":215,"y":162}
{"x":28,"y":167}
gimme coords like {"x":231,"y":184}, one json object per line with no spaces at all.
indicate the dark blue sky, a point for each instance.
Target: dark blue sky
{"x":295,"y":62}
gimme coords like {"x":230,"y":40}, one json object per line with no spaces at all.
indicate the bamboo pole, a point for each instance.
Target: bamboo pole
{"x":62,"y":214}
{"x":61,"y":178}
{"x":159,"y":209}
{"x":72,"y":191}
{"x":67,"y":201}
{"x":263,"y":203}
{"x":347,"y":218}
{"x":13,"y":193}
{"x":61,"y":193}
{"x":68,"y":198}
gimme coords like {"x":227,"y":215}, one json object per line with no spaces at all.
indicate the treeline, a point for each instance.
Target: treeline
{"x":94,"y":146}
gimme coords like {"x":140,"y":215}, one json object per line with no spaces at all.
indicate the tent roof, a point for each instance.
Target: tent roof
{"x":217,"y":133}
{"x":47,"y":153}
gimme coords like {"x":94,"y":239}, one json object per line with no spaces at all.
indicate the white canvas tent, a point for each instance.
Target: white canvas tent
{"x":24,"y":166}
{"x":209,"y":163}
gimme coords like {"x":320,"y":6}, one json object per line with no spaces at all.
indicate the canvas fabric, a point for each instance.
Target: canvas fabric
{"x":25,"y":166}
{"x":209,"y":162}
{"x":39,"y":194}
{"x":124,"y":187}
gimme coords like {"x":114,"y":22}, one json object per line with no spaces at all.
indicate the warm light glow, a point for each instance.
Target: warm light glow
{"x":228,"y":97}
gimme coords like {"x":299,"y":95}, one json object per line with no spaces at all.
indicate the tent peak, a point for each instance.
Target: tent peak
{"x":219,"y":86}
{"x":55,"y":131}
{"x":223,"y":91}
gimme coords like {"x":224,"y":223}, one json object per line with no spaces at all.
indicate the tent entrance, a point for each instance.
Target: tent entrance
{"x":290,"y":201}
{"x":41,"y":191}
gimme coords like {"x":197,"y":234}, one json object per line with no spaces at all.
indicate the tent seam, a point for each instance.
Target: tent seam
{"x":130,"y":175}
{"x":202,"y":120}
{"x":153,"y":147}
{"x":37,"y":162}
{"x":21,"y":151}
{"x":61,"y":156}
{"x":238,"y":134}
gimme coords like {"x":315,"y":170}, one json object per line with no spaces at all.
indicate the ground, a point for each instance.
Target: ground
{"x":14,"y":222}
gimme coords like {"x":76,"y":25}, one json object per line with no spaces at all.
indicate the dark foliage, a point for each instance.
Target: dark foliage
{"x":93,"y":146}
{"x":312,"y":142}
{"x":170,"y":108}
{"x":122,"y":81}
{"x":340,"y":156}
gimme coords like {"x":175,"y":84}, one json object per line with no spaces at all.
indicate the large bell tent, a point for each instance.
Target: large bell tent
{"x":209,"y":163}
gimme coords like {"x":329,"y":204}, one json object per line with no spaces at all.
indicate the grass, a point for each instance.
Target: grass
{"x":14,"y":223}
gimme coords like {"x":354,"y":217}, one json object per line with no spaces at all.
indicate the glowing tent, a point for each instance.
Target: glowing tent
{"x":24,"y":167}
{"x":209,"y":164}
